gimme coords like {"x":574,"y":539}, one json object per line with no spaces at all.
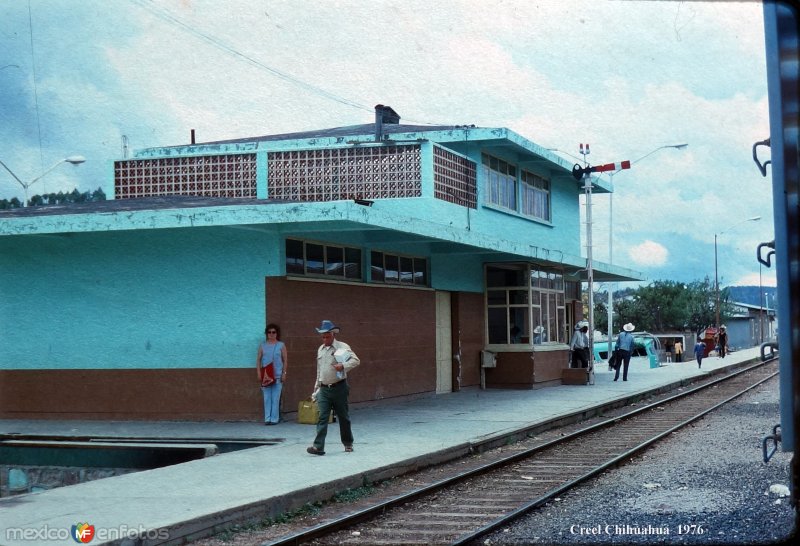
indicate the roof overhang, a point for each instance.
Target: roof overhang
{"x":334,"y":221}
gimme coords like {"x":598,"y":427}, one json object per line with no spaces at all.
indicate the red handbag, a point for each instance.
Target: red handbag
{"x":268,"y":370}
{"x":267,"y":375}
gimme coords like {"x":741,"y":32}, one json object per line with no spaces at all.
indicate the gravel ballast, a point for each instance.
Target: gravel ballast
{"x":705,"y":484}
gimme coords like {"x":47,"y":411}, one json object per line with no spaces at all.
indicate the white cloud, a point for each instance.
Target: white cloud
{"x":648,"y":254}
{"x":627,"y":77}
{"x":753,"y":279}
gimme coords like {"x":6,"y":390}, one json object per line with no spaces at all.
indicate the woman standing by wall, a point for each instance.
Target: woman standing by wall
{"x":271,"y":364}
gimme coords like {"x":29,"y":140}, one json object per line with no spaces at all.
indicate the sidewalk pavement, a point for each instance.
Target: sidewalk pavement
{"x":391,"y":437}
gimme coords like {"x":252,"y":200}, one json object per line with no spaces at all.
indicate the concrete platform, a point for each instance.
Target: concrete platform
{"x":391,"y":437}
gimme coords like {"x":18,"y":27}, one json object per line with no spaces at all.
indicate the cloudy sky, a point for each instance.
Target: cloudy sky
{"x":627,"y":77}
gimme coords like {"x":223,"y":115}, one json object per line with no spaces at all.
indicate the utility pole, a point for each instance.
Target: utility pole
{"x":584,"y":173}
{"x":587,"y":190}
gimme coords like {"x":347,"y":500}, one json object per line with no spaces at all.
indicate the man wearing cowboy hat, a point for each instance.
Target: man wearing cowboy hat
{"x":334,"y":360}
{"x":625,"y":347}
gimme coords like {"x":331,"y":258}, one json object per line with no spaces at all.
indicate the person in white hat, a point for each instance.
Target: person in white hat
{"x":334,"y":360}
{"x":625,"y":347}
{"x":579,"y":345}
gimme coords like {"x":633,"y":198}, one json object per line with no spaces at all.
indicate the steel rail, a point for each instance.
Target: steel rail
{"x":486,"y":529}
{"x":382,"y":507}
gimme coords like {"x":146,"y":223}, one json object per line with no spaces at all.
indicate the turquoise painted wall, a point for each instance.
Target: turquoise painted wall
{"x":189,"y":298}
{"x":457,"y":273}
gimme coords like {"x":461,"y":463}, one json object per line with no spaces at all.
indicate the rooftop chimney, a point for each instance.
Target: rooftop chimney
{"x":384,"y":115}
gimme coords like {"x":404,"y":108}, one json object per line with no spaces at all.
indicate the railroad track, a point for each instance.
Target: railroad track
{"x":464,"y":507}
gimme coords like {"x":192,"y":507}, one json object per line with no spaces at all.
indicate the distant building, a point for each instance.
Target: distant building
{"x":426,"y":244}
{"x":750,"y":325}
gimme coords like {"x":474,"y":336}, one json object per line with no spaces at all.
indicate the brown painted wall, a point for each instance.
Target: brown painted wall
{"x":549,"y":365}
{"x":202,"y":394}
{"x":513,"y":371}
{"x":468,"y":320}
{"x":522,"y":370}
{"x":392,"y":331}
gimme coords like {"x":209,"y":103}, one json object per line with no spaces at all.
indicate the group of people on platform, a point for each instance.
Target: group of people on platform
{"x":623,"y":349}
{"x":579,"y":349}
{"x":331,"y":391}
{"x":335,"y":359}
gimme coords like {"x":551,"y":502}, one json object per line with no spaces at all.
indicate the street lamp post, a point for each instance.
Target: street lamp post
{"x":584,"y":173}
{"x":74,"y":159}
{"x":716,"y":267}
{"x":587,"y":188}
{"x":611,"y":235}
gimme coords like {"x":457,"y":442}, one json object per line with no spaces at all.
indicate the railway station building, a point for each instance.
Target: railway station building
{"x":449,"y":256}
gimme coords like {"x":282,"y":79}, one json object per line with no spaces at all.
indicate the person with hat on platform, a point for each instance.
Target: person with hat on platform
{"x":625,"y":347}
{"x":579,"y":345}
{"x":334,"y":360}
{"x":722,"y":342}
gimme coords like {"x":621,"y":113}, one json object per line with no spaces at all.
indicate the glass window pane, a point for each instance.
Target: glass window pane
{"x":498,"y":325}
{"x":496,"y":276}
{"x":512,"y":193}
{"x":518,"y":297}
{"x":421,"y":271}
{"x":315,"y":257}
{"x":406,"y":270}
{"x":542,"y":334}
{"x":496,"y":297}
{"x":334,"y":263}
{"x":518,"y":325}
{"x":352,"y":261}
{"x":392,"y":268}
{"x":377,"y":272}
{"x":551,"y":318}
{"x":294,"y":257}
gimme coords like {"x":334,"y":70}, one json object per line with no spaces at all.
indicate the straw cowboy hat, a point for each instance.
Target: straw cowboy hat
{"x":629,"y":327}
{"x":327,"y":326}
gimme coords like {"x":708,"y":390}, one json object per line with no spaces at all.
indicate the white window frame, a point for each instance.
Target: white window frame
{"x":545,"y":305}
{"x":500,"y":177}
{"x":535,"y":200}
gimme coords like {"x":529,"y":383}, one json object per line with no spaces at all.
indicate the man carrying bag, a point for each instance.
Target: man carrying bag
{"x":334,"y":360}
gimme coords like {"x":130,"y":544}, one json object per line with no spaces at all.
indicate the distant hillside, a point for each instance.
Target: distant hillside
{"x":751,"y":295}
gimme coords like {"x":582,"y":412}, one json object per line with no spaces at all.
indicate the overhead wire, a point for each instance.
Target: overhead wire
{"x":35,"y":88}
{"x":217,"y":43}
